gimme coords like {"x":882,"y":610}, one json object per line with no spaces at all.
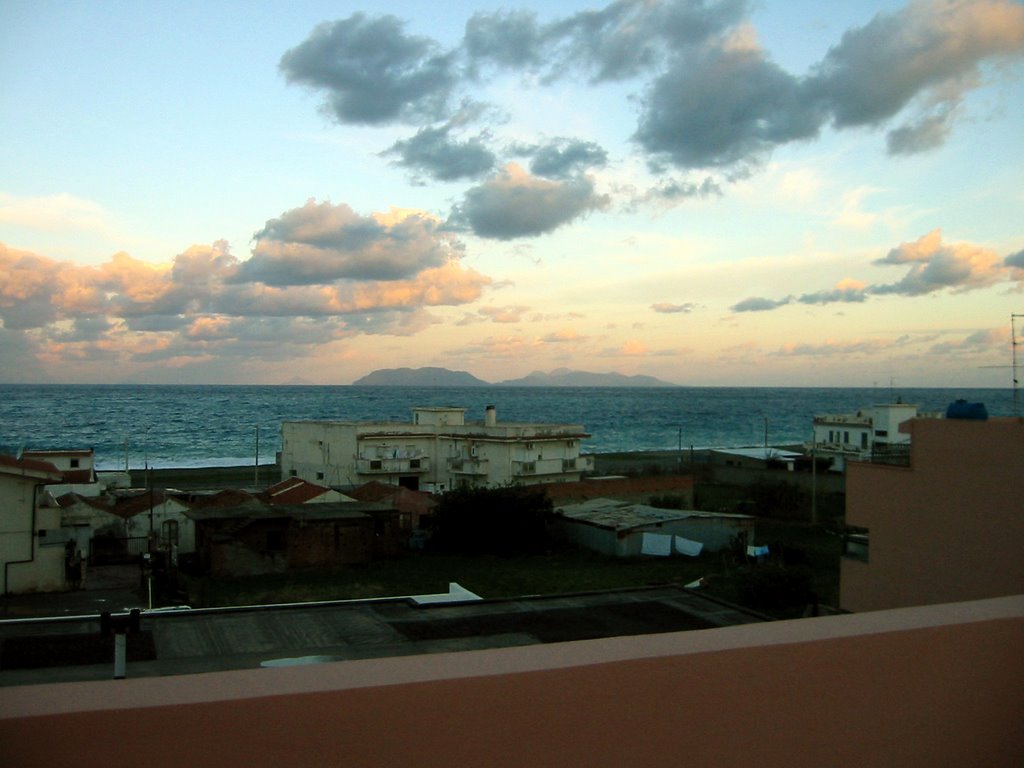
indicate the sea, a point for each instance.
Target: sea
{"x":169,"y":426}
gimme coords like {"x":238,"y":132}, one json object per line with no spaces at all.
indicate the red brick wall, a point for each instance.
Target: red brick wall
{"x":632,"y":488}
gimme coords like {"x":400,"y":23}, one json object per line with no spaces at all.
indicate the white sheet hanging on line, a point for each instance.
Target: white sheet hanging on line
{"x":656,"y":544}
{"x":688,"y":546}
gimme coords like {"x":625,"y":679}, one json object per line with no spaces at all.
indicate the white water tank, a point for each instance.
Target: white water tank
{"x":490,"y":416}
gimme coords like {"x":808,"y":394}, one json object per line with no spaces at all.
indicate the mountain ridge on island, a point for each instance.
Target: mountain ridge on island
{"x":560,"y":377}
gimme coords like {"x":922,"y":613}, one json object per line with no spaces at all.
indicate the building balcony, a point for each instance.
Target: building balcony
{"x":468,"y":466}
{"x":371,"y":466}
{"x":546,"y":467}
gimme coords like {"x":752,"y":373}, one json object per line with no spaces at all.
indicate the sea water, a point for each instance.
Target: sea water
{"x":183,"y":426}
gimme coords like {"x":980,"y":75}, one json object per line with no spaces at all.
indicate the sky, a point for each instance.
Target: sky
{"x":774,"y":193}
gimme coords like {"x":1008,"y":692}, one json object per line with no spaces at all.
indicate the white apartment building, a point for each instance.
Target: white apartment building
{"x":438,"y":451}
{"x":854,"y":436}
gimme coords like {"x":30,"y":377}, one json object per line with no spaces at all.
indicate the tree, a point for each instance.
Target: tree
{"x":501,"y":521}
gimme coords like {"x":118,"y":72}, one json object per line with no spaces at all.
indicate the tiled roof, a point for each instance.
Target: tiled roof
{"x":402,"y":498}
{"x":293,"y":490}
{"x":37,"y":453}
{"x":12,"y":466}
{"x":70,"y":499}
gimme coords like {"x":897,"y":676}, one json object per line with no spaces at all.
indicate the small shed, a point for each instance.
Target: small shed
{"x":624,"y":529}
{"x":260,"y":538}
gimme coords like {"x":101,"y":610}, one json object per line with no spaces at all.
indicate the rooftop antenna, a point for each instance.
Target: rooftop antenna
{"x":1013,"y":363}
{"x":1013,"y":358}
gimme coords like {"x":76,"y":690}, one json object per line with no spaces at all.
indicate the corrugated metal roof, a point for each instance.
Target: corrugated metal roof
{"x":623,"y":516}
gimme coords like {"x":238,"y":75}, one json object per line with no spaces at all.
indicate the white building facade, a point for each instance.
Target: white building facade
{"x":438,"y":451}
{"x":856,"y":436}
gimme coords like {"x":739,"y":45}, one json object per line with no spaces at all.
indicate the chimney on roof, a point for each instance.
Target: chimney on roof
{"x":490,"y":416}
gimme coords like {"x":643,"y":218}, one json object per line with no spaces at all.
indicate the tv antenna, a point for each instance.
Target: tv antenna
{"x":1013,"y":362}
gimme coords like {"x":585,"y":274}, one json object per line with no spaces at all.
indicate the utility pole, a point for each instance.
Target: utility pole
{"x":256,"y":474}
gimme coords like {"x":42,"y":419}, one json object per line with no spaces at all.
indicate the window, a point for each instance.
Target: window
{"x":74,"y":463}
{"x":846,"y":437}
{"x":855,"y":544}
{"x":414,"y":463}
{"x":319,"y":475}
{"x":376,"y":464}
{"x":881,"y":433}
{"x":293,"y":472}
{"x":863,"y":439}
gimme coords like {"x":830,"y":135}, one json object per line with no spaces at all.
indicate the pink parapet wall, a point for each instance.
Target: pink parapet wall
{"x":936,"y":685}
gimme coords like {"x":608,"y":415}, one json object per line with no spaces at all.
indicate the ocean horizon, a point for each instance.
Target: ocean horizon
{"x":181,"y":426}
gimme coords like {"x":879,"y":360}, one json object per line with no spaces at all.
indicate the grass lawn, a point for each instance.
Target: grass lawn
{"x":560,"y":570}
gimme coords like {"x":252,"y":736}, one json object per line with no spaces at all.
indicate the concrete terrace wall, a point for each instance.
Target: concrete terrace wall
{"x":936,"y":685}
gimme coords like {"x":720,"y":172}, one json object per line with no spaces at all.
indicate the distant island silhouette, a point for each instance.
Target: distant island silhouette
{"x":560,"y":377}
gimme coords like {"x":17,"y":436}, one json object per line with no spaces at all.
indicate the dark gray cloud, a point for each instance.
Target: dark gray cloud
{"x":372,"y":72}
{"x":321,"y":243}
{"x":877,"y":70}
{"x":723,"y":107}
{"x":562,"y":158}
{"x":709,"y":97}
{"x":1015,"y":260}
{"x":433,"y":151}
{"x":760,"y":304}
{"x":844,"y":295}
{"x":927,"y":133}
{"x":629,"y":37}
{"x":506,"y":39}
{"x":678,"y":190}
{"x":513,"y":204}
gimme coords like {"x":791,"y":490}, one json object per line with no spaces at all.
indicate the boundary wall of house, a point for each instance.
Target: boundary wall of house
{"x":934,"y":685}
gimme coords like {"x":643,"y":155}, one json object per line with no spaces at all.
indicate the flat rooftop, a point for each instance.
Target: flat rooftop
{"x":68,"y":649}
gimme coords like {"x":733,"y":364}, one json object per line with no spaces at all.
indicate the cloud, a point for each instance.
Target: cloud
{"x":320,"y":243}
{"x":842,"y":348}
{"x":633,"y":348}
{"x":977,"y":342}
{"x":927,"y":133}
{"x":564,"y":158}
{"x":504,"y":39}
{"x":669,"y":309}
{"x":433,"y":152}
{"x":723,"y":106}
{"x":1015,"y":260}
{"x":760,"y":304}
{"x":508,"y":314}
{"x":933,"y":266}
{"x":318,"y":273}
{"x":847,"y":291}
{"x":566,"y":335}
{"x":372,"y":72}
{"x":928,"y":48}
{"x":513,"y":204}
{"x":728,"y":105}
{"x":677,"y":190}
{"x":53,"y":213}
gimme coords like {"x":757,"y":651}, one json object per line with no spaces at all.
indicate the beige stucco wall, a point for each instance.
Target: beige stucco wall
{"x":43,"y":570}
{"x":937,"y":686}
{"x":950,"y":527}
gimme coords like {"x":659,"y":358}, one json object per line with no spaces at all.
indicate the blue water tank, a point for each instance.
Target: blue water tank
{"x":961,"y":409}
